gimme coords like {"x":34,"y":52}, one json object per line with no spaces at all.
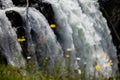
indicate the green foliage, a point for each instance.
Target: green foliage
{"x":12,"y":73}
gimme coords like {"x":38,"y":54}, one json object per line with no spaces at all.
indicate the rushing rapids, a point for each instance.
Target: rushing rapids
{"x":81,"y":32}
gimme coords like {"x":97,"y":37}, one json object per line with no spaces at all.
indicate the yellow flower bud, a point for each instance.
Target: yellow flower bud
{"x":97,"y":67}
{"x":110,"y":63}
{"x":67,"y":56}
{"x":21,"y":40}
{"x":103,"y":55}
{"x":53,"y":26}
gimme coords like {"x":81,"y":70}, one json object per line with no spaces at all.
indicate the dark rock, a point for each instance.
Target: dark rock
{"x":117,"y":1}
{"x":3,"y":59}
{"x":15,"y":18}
{"x":19,"y":2}
{"x":111,"y":10}
{"x":0,"y":4}
{"x":47,"y":11}
{"x":23,"y":2}
{"x":44,"y":8}
{"x":17,"y":24}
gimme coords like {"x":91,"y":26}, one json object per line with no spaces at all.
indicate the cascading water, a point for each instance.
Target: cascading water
{"x":6,"y":4}
{"x":8,"y":42}
{"x":42,"y":43}
{"x":64,"y":31}
{"x":82,"y":32}
{"x":91,"y":36}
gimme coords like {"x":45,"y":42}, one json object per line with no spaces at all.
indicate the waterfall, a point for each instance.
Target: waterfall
{"x":91,"y":9}
{"x":90,"y":34}
{"x":42,"y":43}
{"x":8,"y":42}
{"x":81,"y":32}
{"x":6,"y":4}
{"x":65,"y":32}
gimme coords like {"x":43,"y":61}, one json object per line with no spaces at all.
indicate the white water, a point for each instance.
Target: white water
{"x":90,"y":33}
{"x":41,"y":40}
{"x":65,"y":34}
{"x":6,"y":4}
{"x":82,"y":29}
{"x":8,"y":42}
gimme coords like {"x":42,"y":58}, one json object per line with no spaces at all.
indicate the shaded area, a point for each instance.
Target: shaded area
{"x":3,"y":59}
{"x":17,"y":24}
{"x":19,"y":2}
{"x":111,"y":10}
{"x":0,"y":4}
{"x":44,"y":8}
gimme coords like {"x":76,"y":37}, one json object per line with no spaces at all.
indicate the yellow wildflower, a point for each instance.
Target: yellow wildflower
{"x":21,"y":39}
{"x":53,"y":26}
{"x":67,"y":55}
{"x":110,"y":63}
{"x":97,"y":67}
{"x":103,"y":55}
